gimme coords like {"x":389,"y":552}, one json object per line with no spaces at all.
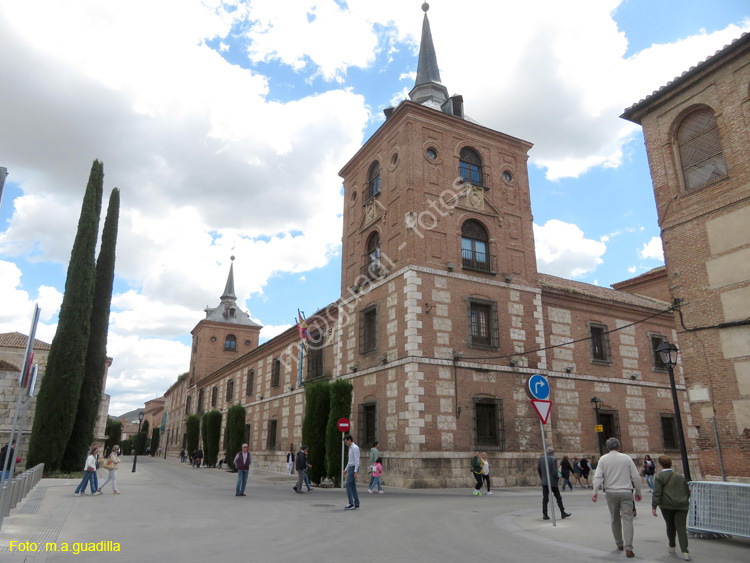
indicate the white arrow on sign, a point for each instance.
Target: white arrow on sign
{"x":542,"y":408}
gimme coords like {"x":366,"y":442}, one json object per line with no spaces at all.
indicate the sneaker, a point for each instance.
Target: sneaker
{"x":381,"y":491}
{"x":356,"y":508}
{"x":295,"y":489}
{"x":566,"y":515}
{"x":349,"y":507}
{"x":490,"y":493}
{"x":369,"y":491}
{"x":545,"y":517}
{"x":76,"y":494}
{"x":116,"y":493}
{"x":686,"y":556}
{"x":629,"y":553}
{"x":97,"y":493}
{"x":477,"y":493}
{"x":670,"y":549}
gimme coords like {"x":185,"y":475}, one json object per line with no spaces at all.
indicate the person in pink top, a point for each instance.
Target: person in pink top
{"x":377,"y":470}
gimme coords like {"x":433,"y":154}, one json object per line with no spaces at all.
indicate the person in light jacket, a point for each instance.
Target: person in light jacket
{"x":114,"y":458}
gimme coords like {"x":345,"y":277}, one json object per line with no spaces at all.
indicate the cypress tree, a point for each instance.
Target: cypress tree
{"x":236,"y":430}
{"x":212,"y":438}
{"x":340,"y":407}
{"x":96,"y":354}
{"x":155,"y":435}
{"x":114,"y":433}
{"x":317,"y":403}
{"x":57,"y":403}
{"x":192,"y":433}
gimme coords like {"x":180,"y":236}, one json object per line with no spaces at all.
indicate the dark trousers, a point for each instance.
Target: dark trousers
{"x":545,"y":499}
{"x":479,"y":479}
{"x":676,"y":525}
{"x":486,"y":479}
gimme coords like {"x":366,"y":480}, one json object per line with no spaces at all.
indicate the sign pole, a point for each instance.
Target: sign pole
{"x":550,"y":496}
{"x":344,"y":426}
{"x":342,"y":460}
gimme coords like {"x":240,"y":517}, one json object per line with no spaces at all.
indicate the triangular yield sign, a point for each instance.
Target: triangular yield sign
{"x":542,"y":408}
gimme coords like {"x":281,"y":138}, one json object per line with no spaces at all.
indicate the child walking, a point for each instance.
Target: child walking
{"x":377,"y":470}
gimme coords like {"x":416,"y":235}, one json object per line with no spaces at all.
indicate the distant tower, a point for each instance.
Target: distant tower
{"x":224,"y":335}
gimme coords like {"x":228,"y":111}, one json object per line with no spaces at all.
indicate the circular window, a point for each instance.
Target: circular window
{"x":213,"y":339}
{"x":354,"y":196}
{"x":394,"y":159}
{"x":507,"y":176}
{"x":247,"y":343}
{"x":432,"y":153}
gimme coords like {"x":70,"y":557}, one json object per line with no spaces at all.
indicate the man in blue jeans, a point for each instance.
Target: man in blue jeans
{"x":242,"y":462}
{"x":351,"y":470}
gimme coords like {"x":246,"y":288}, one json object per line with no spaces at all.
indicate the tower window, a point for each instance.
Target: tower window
{"x":371,"y":268}
{"x":231,"y":342}
{"x":470,"y":167}
{"x":483,"y":329}
{"x":373,"y":183}
{"x":474,"y":247}
{"x":368,"y":329}
{"x":700,"y":151}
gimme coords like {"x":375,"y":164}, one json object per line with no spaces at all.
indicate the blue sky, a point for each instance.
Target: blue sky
{"x":224,"y":124}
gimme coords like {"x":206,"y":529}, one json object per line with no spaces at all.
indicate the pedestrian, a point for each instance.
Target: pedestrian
{"x":95,"y":477}
{"x":242,"y":462}
{"x":182,"y":455}
{"x":551,"y":462}
{"x":198,"y":458}
{"x":648,"y":472}
{"x":89,"y":469}
{"x":565,"y":469}
{"x":110,"y":465}
{"x":377,"y":471}
{"x":672,"y":495}
{"x":576,"y":473}
{"x":476,"y":471}
{"x":6,"y":457}
{"x":290,"y":459}
{"x":616,"y":472}
{"x":585,"y":467}
{"x":486,"y":473}
{"x":374,"y":455}
{"x":301,"y":467}
{"x":351,"y":470}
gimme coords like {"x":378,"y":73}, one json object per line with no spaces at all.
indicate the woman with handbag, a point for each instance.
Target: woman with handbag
{"x":111,"y":466}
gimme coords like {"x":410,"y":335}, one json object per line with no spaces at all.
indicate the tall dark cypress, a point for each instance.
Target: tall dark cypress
{"x":61,"y":386}
{"x":96,"y":354}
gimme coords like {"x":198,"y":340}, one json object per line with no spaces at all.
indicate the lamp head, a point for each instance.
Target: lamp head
{"x":667,"y":353}
{"x":596,"y":403}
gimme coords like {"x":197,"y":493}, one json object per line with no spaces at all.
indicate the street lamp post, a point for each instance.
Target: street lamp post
{"x":135,"y":449}
{"x":596,"y":404}
{"x":668,"y":355}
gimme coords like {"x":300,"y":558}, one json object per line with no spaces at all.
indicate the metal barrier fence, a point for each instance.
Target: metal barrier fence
{"x":18,"y":487}
{"x":719,"y":508}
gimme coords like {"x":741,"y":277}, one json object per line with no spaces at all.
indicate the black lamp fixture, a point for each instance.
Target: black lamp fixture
{"x":135,"y":451}
{"x":668,"y":356}
{"x":596,"y":404}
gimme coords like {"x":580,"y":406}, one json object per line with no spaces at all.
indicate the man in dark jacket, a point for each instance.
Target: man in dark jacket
{"x":552,"y":463}
{"x":242,"y":462}
{"x":301,"y":467}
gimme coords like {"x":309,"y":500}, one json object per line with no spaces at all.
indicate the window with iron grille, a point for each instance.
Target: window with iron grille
{"x":368,"y":329}
{"x":250,"y":389}
{"x":470,"y":167}
{"x":230,"y":343}
{"x":699,"y":145}
{"x":483,"y":325}
{"x":475,"y":247}
{"x":656,"y":340}
{"x":610,"y":422}
{"x":214,"y":396}
{"x":599,"y":344}
{"x":230,"y":390}
{"x":368,"y":424}
{"x":271,"y":438}
{"x":247,"y":434}
{"x":669,"y":439}
{"x":489,"y":431}
{"x":200,"y":401}
{"x":276,"y":373}
{"x":315,"y":355}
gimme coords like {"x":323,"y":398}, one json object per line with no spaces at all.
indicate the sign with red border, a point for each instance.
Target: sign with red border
{"x":542,"y":409}
{"x":343,"y":425}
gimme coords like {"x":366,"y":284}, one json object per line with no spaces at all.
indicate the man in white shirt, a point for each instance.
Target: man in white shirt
{"x":617,"y":473}
{"x":350,"y":471}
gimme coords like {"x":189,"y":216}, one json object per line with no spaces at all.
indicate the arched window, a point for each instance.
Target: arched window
{"x":372,"y":257}
{"x":700,"y":151}
{"x":231,"y":342}
{"x":470,"y":166}
{"x":475,"y":246}
{"x":373,"y":182}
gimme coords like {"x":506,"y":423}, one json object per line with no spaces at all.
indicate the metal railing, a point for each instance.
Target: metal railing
{"x":479,"y":261}
{"x":18,"y":487}
{"x":719,"y":508}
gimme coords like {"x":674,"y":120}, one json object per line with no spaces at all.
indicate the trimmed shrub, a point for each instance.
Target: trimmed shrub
{"x":236,"y":431}
{"x":212,"y":438}
{"x":155,"y":435}
{"x":317,"y":402}
{"x":340,"y":407}
{"x":192,"y":432}
{"x":114,"y":431}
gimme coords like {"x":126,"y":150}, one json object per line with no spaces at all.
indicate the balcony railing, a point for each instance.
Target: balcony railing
{"x":371,"y":190}
{"x":373,"y":270}
{"x":478,"y":261}
{"x":474,"y":177}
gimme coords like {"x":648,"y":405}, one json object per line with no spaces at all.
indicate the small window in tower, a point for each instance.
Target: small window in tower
{"x":432,"y":153}
{"x":475,"y":247}
{"x":373,"y":183}
{"x":248,"y":343}
{"x":508,"y":177}
{"x":470,"y":167}
{"x":213,"y":339}
{"x":231,"y":342}
{"x":372,"y":268}
{"x":231,"y":312}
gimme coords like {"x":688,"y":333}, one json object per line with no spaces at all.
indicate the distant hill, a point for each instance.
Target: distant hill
{"x":129,"y":416}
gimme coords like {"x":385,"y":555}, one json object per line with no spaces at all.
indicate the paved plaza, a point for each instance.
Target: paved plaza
{"x":170,"y":512}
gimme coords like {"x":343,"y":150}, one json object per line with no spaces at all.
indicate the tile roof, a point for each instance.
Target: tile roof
{"x":18,"y":340}
{"x":601,"y":293}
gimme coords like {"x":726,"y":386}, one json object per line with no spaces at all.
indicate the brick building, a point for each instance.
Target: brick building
{"x":696,"y":133}
{"x":443,"y":316}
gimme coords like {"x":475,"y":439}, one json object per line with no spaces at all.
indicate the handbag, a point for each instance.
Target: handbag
{"x":109,"y":464}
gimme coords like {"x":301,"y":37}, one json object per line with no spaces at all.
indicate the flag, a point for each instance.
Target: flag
{"x":304,"y":332}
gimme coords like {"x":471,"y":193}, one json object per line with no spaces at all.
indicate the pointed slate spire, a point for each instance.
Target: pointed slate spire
{"x":228,"y":294}
{"x":428,"y":86}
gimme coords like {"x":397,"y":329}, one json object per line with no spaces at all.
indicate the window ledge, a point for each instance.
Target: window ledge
{"x":602,"y":362}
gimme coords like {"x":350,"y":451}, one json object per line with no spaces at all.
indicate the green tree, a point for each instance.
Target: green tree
{"x":57,"y":403}
{"x":139,"y":443}
{"x":212,"y":438}
{"x":192,"y":433}
{"x":340,"y":407}
{"x":144,"y":430}
{"x":317,"y":402}
{"x":96,"y":354}
{"x":127,"y":446}
{"x":204,"y":436}
{"x":236,"y":427}
{"x":114,"y":434}
{"x":155,"y":435}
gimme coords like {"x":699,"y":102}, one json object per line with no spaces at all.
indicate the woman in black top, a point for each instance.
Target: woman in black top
{"x":565,"y":469}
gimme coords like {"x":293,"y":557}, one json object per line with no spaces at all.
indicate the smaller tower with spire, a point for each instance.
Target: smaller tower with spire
{"x":224,"y":335}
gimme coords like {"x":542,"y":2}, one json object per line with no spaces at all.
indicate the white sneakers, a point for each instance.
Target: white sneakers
{"x":670,"y":549}
{"x":686,"y":556}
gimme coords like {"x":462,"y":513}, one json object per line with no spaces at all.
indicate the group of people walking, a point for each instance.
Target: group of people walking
{"x":480,"y":468}
{"x":90,"y":471}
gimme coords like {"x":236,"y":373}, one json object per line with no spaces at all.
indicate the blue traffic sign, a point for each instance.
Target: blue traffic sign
{"x":537,"y":387}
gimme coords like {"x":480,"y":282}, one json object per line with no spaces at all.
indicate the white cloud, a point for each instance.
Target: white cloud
{"x":268,"y":332}
{"x":562,"y":250}
{"x":632,"y":269}
{"x":652,"y":250}
{"x":17,"y":306}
